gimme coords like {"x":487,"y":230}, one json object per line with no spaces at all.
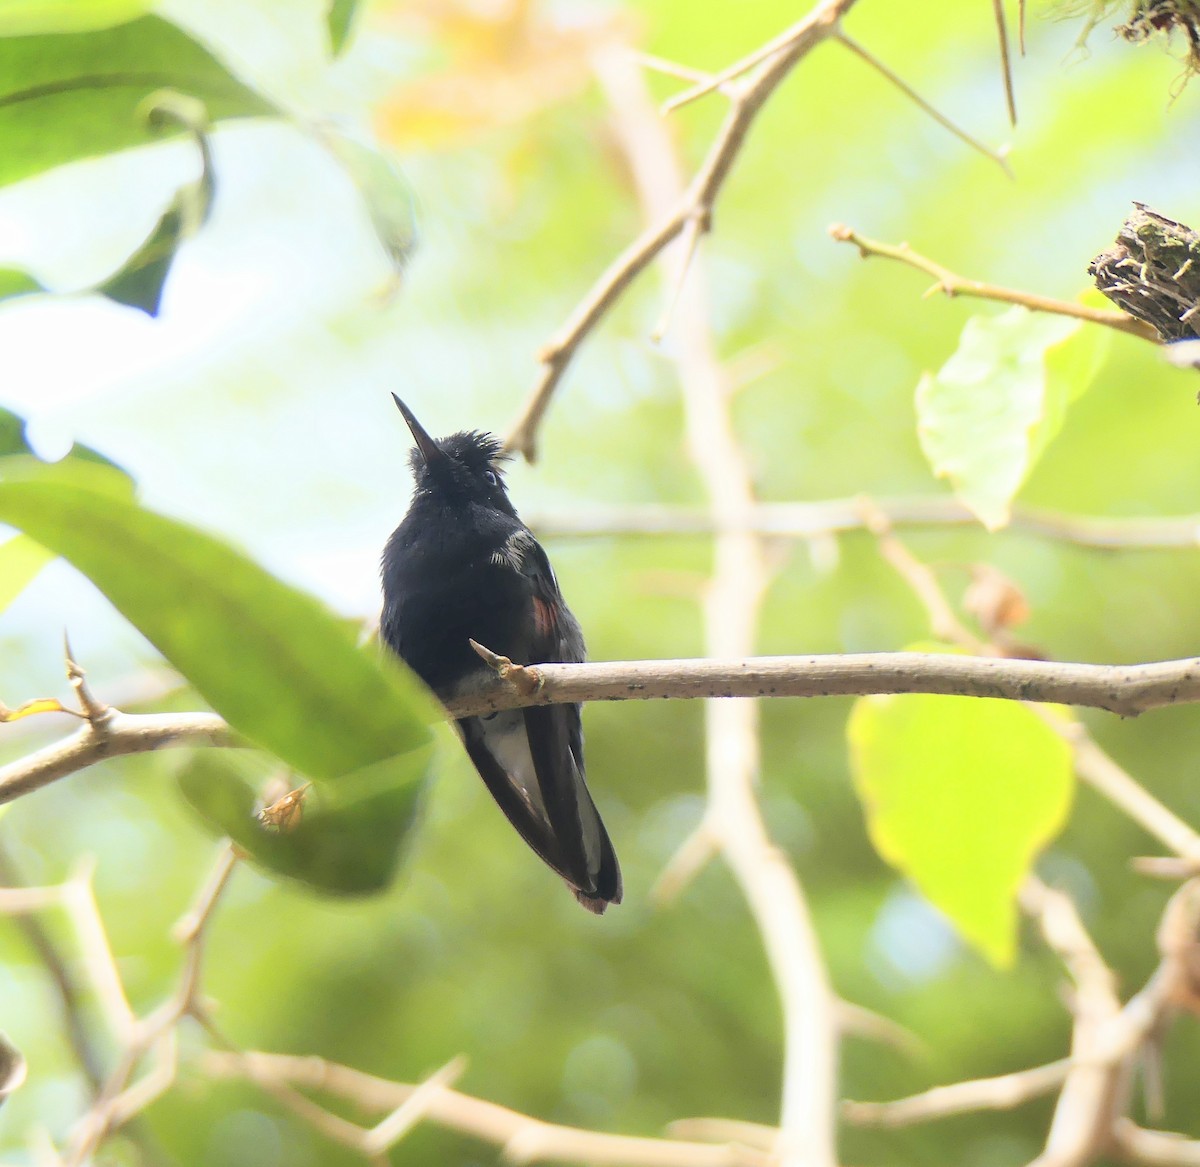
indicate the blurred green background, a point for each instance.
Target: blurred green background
{"x":257,"y":405}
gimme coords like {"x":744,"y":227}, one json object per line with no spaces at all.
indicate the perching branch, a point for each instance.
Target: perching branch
{"x":955,"y":285}
{"x":1123,"y":689}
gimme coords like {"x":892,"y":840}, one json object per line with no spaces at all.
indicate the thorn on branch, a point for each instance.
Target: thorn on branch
{"x":93,"y":709}
{"x":526,"y":679}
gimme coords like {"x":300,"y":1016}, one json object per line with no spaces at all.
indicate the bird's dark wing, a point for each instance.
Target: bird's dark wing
{"x":555,"y":735}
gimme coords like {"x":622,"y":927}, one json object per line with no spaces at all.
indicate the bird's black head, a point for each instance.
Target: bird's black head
{"x":461,"y":469}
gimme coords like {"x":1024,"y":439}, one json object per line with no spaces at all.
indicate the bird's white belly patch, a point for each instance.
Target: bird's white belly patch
{"x":504,"y":734}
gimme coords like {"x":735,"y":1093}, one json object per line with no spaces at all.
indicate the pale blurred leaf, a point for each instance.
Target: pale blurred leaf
{"x":339,"y":19}
{"x":29,"y":17}
{"x":384,"y":190}
{"x":991,"y":409}
{"x":77,"y":95}
{"x":20,"y":561}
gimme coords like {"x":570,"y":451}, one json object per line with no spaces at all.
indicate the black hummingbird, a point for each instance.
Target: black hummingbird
{"x":462,"y":566}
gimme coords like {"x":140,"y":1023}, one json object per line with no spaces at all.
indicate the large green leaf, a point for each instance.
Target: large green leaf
{"x":960,"y":795}
{"x":76,"y":95}
{"x":281,"y":668}
{"x":992,"y":408}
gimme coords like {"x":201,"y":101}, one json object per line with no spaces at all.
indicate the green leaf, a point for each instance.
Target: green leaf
{"x":76,"y":95}
{"x":17,"y":283}
{"x":990,"y":411}
{"x":339,"y":19}
{"x":960,"y":795}
{"x":26,"y":17}
{"x":20,"y":561}
{"x":350,"y":834}
{"x":281,"y":668}
{"x":385,"y":193}
{"x":139,"y":281}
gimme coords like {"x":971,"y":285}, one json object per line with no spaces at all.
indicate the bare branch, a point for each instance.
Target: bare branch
{"x":943,"y":622}
{"x":689,"y":859}
{"x":123,"y":733}
{"x":66,"y":986}
{"x":123,"y":1097}
{"x":1123,"y":689}
{"x":1135,"y":1144}
{"x":803,"y":520}
{"x":1116,"y":784}
{"x":1000,"y":1093}
{"x":522,"y":1139}
{"x":76,"y":898}
{"x":866,"y":1024}
{"x":955,"y":285}
{"x":695,"y":204}
{"x":785,"y":40}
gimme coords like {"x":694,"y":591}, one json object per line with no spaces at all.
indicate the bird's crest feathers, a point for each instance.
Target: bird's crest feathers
{"x":474,"y":449}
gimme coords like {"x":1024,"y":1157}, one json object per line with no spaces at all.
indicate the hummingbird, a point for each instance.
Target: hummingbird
{"x":462,"y":566}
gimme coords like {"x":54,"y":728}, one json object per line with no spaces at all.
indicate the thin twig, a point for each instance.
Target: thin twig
{"x":66,"y":986}
{"x":1000,"y":1093}
{"x":1094,"y":766}
{"x":122,"y":1096}
{"x":695,"y":204}
{"x":77,"y":899}
{"x":1005,"y":61}
{"x":955,"y":285}
{"x":869,"y":58}
{"x":1135,"y":1144}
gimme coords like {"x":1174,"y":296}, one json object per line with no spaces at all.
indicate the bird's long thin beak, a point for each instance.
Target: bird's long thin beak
{"x":428,"y":447}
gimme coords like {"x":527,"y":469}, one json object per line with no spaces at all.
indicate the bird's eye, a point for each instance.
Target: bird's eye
{"x":489,"y":476}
